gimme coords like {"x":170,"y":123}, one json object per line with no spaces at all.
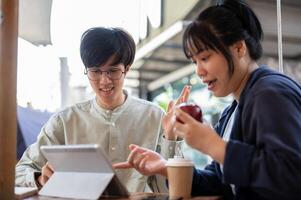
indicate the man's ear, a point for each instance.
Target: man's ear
{"x":126,"y":69}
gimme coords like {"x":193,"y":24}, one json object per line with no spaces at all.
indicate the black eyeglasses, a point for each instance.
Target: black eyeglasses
{"x":94,"y":74}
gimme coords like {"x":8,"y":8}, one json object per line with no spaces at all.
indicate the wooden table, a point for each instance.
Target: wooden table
{"x":134,"y":196}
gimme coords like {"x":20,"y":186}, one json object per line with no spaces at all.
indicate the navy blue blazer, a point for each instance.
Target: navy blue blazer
{"x":263,"y":155}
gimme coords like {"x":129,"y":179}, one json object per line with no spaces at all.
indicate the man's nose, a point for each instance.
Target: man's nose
{"x":104,"y":77}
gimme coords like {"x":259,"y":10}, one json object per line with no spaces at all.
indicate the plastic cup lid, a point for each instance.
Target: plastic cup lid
{"x":179,"y":162}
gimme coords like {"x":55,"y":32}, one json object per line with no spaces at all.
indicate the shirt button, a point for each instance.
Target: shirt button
{"x":107,"y":111}
{"x":113,"y":124}
{"x":113,"y":148}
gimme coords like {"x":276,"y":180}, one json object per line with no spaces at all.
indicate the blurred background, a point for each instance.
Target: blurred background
{"x":51,"y":74}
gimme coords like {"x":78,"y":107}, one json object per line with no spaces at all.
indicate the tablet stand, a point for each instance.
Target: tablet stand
{"x":83,"y":185}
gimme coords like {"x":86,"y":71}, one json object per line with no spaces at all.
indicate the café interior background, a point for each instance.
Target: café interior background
{"x":51,"y":75}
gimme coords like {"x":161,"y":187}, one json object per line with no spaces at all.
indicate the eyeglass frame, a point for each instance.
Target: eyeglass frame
{"x":106,"y":73}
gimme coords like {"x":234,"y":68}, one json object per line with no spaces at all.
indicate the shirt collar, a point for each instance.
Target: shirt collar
{"x":116,"y":110}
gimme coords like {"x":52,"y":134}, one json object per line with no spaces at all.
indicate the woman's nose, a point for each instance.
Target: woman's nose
{"x":200,"y":70}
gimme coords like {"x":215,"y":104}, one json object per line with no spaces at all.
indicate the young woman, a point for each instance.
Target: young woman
{"x":256,"y":145}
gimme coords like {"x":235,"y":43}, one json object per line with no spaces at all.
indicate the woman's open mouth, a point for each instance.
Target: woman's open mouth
{"x":211,"y":84}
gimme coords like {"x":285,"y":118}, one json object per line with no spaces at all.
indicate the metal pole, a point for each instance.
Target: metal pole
{"x":279,"y":29}
{"x":64,"y":79}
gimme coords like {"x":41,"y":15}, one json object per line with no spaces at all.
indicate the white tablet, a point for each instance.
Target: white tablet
{"x":78,"y":158}
{"x":80,"y":171}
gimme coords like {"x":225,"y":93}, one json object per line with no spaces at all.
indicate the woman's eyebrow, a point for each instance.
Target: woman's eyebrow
{"x":197,"y":53}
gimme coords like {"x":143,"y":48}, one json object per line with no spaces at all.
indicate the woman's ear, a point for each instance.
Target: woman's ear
{"x":240,"y":48}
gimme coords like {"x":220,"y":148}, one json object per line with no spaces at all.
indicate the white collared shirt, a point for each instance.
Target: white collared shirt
{"x":136,"y":121}
{"x":226,"y":137}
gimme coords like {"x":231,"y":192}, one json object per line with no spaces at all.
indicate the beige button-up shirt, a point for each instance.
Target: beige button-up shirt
{"x":135,"y":122}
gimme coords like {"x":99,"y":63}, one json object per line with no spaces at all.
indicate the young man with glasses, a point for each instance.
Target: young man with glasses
{"x":113,"y":119}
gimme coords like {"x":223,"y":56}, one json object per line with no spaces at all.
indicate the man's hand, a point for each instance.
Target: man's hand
{"x":145,"y":161}
{"x":167,"y":119}
{"x":47,"y":171}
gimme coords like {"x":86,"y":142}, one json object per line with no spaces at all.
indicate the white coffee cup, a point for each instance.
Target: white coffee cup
{"x":179,"y":171}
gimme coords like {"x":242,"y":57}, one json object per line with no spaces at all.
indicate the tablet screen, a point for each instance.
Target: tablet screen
{"x":77,"y":158}
{"x":77,"y":167}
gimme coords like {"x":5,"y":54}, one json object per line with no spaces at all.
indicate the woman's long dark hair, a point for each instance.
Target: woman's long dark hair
{"x":220,"y":26}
